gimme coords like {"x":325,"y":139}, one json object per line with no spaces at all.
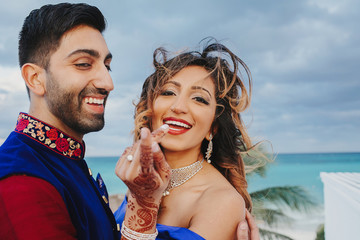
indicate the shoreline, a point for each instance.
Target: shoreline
{"x":115,"y":201}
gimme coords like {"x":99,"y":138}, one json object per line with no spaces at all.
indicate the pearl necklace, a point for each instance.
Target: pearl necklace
{"x":181,"y":175}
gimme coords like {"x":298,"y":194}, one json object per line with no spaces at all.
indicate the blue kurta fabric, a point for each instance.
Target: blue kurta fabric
{"x":40,"y":150}
{"x":165,"y":232}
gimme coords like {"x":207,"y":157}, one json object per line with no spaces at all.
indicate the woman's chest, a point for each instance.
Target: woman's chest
{"x":177,"y":210}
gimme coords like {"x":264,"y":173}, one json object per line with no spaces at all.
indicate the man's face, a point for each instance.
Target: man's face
{"x":78,"y":81}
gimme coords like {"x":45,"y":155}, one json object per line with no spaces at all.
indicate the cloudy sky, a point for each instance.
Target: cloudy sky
{"x":304,"y":57}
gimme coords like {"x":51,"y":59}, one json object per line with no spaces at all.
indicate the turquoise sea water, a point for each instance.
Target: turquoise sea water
{"x":288,"y":169}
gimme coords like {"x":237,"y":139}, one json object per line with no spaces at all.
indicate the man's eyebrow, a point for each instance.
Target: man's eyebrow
{"x":90,"y":52}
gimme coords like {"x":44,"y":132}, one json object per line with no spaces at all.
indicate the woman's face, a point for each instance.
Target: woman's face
{"x":187,"y":104}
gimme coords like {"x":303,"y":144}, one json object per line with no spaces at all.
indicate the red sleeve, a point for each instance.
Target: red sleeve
{"x":31,"y":208}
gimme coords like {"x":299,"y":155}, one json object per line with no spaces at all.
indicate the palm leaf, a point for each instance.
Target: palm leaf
{"x":269,"y":204}
{"x":271,"y":217}
{"x":293,"y":197}
{"x":270,"y":235}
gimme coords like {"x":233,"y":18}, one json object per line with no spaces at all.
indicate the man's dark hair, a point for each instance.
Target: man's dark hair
{"x":43,"y":28}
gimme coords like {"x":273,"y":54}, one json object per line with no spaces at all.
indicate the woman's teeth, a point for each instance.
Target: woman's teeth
{"x":176,"y":123}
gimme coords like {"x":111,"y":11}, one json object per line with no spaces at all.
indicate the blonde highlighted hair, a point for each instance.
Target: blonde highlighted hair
{"x":232,"y":96}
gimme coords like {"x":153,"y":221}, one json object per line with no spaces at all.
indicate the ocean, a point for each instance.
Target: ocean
{"x":287,"y":170}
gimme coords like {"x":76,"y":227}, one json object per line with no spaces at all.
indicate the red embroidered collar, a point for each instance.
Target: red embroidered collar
{"x":50,"y":137}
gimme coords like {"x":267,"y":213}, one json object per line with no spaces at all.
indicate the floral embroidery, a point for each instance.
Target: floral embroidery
{"x":39,"y":125}
{"x":49,"y":136}
{"x":52,"y":134}
{"x":22,"y":124}
{"x":62,"y":144}
{"x":40,"y":133}
{"x":77,"y":152}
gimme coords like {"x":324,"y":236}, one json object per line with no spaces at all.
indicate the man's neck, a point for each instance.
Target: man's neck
{"x":49,"y":118}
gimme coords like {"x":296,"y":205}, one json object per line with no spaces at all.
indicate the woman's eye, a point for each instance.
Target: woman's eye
{"x":167,"y":93}
{"x":108,"y":67}
{"x":202,"y":100}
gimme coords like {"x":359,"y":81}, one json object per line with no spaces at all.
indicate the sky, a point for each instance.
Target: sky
{"x":304,"y":57}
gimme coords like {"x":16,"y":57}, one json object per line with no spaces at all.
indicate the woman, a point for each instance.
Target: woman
{"x":198,"y":96}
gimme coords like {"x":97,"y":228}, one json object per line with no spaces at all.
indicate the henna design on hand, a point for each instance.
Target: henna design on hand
{"x":147,"y":187}
{"x":141,"y":190}
{"x":145,"y":217}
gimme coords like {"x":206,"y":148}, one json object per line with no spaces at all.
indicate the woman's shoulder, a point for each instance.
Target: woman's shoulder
{"x":225,"y":197}
{"x":219,"y":209}
{"x":220,"y":191}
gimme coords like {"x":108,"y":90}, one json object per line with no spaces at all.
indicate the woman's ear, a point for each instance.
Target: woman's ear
{"x":212,"y":131}
{"x":34,"y":77}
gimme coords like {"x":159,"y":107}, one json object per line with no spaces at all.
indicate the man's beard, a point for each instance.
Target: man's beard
{"x":67,"y":107}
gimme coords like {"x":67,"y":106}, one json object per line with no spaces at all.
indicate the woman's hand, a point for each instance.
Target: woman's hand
{"x":144,"y":170}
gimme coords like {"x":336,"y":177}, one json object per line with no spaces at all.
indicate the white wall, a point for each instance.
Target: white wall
{"x":342,"y":205}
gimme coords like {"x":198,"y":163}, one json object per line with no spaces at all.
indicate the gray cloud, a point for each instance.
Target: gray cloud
{"x":304,"y":57}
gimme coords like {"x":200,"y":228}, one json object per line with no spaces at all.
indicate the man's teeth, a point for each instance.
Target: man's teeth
{"x":94,"y":100}
{"x":176,"y":123}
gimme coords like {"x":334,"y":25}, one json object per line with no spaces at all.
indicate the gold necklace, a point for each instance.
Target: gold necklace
{"x":181,"y":175}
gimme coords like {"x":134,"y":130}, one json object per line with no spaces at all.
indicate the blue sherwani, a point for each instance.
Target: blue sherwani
{"x":40,"y":150}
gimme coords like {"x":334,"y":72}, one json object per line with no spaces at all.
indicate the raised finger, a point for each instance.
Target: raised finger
{"x":146,"y":157}
{"x":159,"y":133}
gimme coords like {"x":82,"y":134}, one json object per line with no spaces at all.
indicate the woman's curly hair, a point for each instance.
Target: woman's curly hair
{"x":232,"y":97}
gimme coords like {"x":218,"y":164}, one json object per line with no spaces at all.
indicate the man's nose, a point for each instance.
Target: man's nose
{"x":104,"y":80}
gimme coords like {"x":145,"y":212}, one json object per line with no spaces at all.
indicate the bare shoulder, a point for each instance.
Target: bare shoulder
{"x":225,"y":199}
{"x":220,"y":209}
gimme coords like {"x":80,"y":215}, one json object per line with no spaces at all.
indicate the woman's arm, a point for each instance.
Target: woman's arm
{"x":147,"y":174}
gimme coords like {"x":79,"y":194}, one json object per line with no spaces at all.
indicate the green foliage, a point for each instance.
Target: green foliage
{"x":269,"y":204}
{"x":320,"y":233}
{"x":270,"y":217}
{"x":270,"y":235}
{"x":293,"y":197}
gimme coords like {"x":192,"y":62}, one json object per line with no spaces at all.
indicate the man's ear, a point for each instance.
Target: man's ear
{"x":34,"y":77}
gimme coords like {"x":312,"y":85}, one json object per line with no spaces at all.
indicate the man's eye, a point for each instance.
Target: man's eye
{"x":83,"y":65}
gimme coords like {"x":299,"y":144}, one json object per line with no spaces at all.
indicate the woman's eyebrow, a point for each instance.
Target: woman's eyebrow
{"x":175,"y":83}
{"x":201,"y":88}
{"x":193,"y":87}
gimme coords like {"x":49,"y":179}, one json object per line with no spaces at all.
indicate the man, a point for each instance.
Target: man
{"x":247,"y":229}
{"x":46,"y":189}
